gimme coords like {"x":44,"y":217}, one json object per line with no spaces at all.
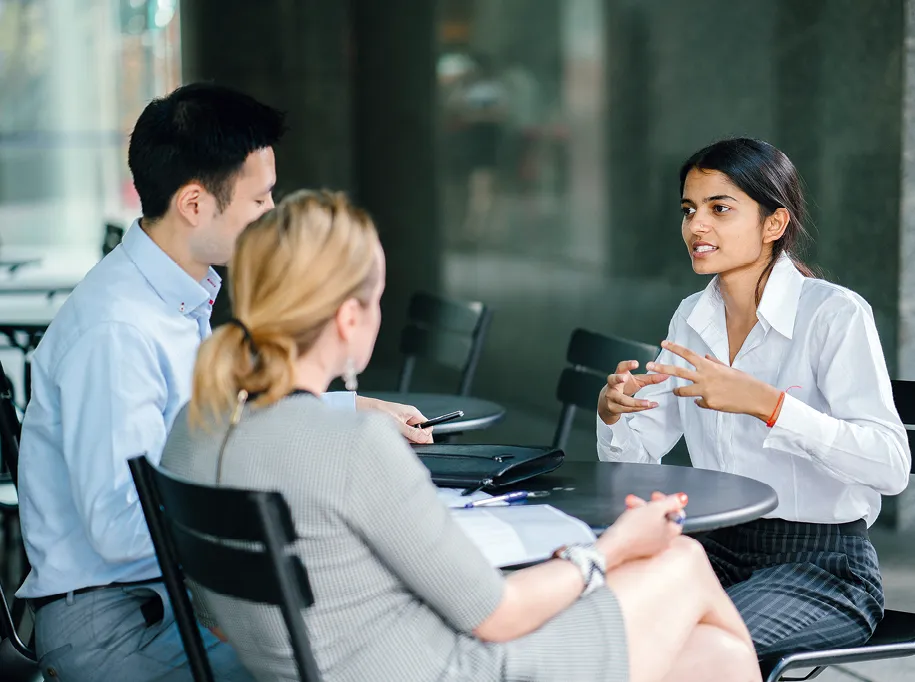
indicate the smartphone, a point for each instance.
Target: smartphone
{"x":441,"y":420}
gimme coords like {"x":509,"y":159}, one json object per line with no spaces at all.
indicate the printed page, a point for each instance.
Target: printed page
{"x":521,"y":533}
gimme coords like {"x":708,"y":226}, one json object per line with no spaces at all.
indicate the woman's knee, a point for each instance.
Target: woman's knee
{"x":689,"y":551}
{"x":692,"y":560}
{"x":730,"y":658}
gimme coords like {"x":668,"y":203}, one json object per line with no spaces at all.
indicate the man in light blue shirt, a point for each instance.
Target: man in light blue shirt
{"x":111,"y":373}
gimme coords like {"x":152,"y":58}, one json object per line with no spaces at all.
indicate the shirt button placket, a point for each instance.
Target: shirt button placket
{"x":720,"y":440}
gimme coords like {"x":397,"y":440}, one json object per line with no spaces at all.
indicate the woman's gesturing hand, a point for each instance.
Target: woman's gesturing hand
{"x":616,"y":397}
{"x":716,"y":386}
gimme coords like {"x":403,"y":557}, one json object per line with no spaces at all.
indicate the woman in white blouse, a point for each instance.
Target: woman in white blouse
{"x":775,"y":375}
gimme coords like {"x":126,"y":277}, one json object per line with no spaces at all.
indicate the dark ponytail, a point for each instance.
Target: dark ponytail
{"x":769,"y":178}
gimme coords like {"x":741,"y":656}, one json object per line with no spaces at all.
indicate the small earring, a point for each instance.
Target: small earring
{"x":350,"y":379}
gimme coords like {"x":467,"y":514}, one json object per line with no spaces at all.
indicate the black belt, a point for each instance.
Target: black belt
{"x":857,"y":528}
{"x":39,"y":602}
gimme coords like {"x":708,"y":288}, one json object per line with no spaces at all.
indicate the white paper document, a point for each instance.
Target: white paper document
{"x":520,"y":534}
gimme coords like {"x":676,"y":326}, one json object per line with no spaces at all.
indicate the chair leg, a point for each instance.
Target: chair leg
{"x":776,"y":677}
{"x":18,"y":613}
{"x":9,"y":550}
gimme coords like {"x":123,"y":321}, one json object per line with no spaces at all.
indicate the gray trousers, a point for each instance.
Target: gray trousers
{"x":103,"y":635}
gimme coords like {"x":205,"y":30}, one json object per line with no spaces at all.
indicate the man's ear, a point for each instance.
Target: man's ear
{"x":189,"y":202}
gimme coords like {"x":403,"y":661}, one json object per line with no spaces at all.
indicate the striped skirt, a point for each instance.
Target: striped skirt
{"x":799,"y":586}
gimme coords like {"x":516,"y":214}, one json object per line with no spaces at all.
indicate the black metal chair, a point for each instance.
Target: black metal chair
{"x":895,"y":636}
{"x":17,"y":661}
{"x":113,"y":236}
{"x":447,"y":332}
{"x":190,"y":525}
{"x":10,"y":428}
{"x":592,"y":358}
{"x":15,"y":559}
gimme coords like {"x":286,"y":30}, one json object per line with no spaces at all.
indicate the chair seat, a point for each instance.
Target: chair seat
{"x":893,"y":638}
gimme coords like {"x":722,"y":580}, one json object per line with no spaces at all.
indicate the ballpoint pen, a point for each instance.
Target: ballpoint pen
{"x":678,"y":517}
{"x":507,"y":497}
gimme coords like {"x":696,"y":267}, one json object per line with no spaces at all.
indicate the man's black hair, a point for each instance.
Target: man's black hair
{"x":200,"y":132}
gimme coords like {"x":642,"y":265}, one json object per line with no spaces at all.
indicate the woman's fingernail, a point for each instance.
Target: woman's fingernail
{"x":650,"y":365}
{"x":653,"y":405}
{"x":684,"y":499}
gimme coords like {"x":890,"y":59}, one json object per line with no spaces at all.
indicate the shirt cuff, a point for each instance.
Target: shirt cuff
{"x":797,"y":425}
{"x":340,"y":400}
{"x":612,"y":440}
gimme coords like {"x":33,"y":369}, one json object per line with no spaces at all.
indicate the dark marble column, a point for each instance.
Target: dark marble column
{"x":292,"y":55}
{"x":395,"y":114}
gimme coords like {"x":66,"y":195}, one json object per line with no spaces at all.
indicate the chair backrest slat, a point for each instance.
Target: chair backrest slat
{"x":601,"y":354}
{"x":460,"y":317}
{"x":579,"y":388}
{"x":228,"y":570}
{"x":224,"y":512}
{"x":443,"y":347}
{"x":592,"y":357}
{"x":904,"y":399}
{"x":447,"y":332}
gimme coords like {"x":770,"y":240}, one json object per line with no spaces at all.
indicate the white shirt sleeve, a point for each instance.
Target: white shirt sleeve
{"x":340,"y":400}
{"x":859,"y":439}
{"x":647,"y":436}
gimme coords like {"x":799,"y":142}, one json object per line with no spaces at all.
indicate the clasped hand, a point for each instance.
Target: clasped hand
{"x":644,"y":530}
{"x":713,"y":385}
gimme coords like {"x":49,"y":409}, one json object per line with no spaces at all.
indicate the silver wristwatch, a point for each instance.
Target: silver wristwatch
{"x":589,"y":560}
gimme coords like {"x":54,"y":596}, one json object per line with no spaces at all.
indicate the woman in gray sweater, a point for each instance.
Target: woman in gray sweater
{"x":400,"y":592}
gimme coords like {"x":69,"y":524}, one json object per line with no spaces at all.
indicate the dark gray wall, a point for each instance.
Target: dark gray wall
{"x":821,"y":80}
{"x":357,"y":82}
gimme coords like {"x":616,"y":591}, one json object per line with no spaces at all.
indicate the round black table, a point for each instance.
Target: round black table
{"x":478,"y":413}
{"x":595,"y":492}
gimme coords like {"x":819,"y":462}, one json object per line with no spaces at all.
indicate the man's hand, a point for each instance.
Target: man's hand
{"x":406,"y":417}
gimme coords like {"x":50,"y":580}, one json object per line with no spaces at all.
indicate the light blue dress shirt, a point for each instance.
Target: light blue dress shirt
{"x":108,"y":379}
